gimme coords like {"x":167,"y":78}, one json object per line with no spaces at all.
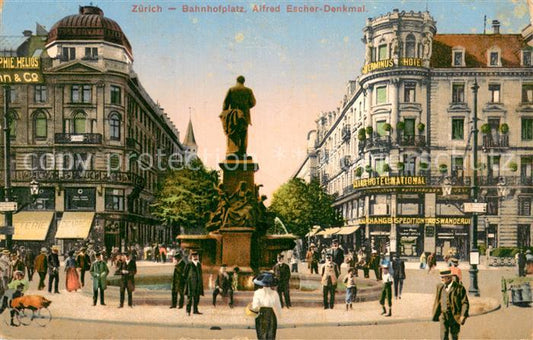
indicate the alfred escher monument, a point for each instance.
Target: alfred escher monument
{"x":237,"y":229}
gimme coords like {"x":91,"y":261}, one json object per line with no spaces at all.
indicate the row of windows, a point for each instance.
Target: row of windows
{"x":78,"y":94}
{"x":386,"y":51}
{"x":458,"y":130}
{"x":493,"y":58}
{"x":79,"y":124}
{"x":69,"y":53}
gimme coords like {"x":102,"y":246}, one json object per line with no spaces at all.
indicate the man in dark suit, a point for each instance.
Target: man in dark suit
{"x":223,"y":286}
{"x":451,"y":305}
{"x":337,"y":253}
{"x":194,"y":286}
{"x":178,"y":283}
{"x":127,"y":268}
{"x":53,"y":270}
{"x":282,"y":273}
{"x":398,"y":274}
{"x":83,"y":261}
{"x":235,"y":123}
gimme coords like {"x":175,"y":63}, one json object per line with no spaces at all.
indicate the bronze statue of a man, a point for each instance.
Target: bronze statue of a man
{"x":236,"y":117}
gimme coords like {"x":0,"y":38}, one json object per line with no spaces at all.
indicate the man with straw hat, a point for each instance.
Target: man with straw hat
{"x":386,"y":292}
{"x":451,"y":305}
{"x":41,"y":267}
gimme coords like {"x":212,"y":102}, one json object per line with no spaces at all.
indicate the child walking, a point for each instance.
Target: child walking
{"x":351,"y":288}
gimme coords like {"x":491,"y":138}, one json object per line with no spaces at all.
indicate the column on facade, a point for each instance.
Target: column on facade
{"x":430,"y":230}
{"x":367,"y":215}
{"x":394,"y":237}
{"x":395,"y":82}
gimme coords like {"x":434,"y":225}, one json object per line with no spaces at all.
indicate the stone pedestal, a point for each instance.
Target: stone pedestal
{"x":237,"y":170}
{"x":237,"y":247}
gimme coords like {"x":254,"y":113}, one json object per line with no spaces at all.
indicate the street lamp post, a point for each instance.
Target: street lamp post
{"x":474,"y":191}
{"x":8,"y":225}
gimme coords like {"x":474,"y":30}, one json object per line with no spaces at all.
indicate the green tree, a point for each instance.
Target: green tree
{"x":302,"y":205}
{"x":187,"y":196}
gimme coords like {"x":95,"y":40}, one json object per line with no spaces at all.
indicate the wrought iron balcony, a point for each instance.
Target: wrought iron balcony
{"x":346,"y":133}
{"x":505,"y":180}
{"x":78,"y":138}
{"x":378,"y":144}
{"x":417,"y":141}
{"x":495,"y":142}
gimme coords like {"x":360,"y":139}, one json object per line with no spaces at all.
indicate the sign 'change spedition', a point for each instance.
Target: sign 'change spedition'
{"x":20,"y":70}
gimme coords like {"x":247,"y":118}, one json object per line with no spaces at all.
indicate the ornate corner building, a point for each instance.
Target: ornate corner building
{"x":90,"y":135}
{"x":404,"y":128}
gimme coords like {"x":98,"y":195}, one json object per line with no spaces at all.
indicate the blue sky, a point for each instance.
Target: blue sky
{"x":297,"y":64}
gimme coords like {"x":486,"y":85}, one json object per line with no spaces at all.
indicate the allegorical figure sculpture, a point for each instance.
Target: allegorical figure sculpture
{"x":236,"y":117}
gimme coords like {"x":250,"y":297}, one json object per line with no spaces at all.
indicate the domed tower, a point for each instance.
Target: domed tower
{"x":395,"y":79}
{"x":88,"y":36}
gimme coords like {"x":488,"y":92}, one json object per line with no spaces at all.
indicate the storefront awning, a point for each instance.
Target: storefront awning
{"x":31,"y":225}
{"x":328,"y":231}
{"x":75,"y":225}
{"x":347,"y":230}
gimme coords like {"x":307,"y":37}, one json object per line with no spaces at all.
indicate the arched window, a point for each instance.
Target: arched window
{"x":12,"y":121}
{"x":114,"y":126}
{"x":79,"y":122}
{"x":410,"y":46}
{"x":40,"y":124}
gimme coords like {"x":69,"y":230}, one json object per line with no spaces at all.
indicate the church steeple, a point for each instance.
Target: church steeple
{"x":189,"y":142}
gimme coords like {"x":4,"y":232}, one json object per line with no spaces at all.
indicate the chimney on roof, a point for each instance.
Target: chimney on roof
{"x":495,"y":27}
{"x":26,"y":33}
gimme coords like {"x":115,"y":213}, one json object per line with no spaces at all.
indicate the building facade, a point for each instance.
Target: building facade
{"x":398,"y":150}
{"x":90,"y":135}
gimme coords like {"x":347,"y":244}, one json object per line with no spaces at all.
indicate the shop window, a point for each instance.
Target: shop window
{"x":527,"y":128}
{"x":381,"y":95}
{"x":458,"y":93}
{"x":494,"y":90}
{"x":81,"y":199}
{"x":458,"y":128}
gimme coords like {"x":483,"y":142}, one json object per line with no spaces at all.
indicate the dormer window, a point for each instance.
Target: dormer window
{"x":68,"y":53}
{"x":526,"y":58}
{"x":494,"y":59}
{"x":91,"y":53}
{"x":458,"y":57}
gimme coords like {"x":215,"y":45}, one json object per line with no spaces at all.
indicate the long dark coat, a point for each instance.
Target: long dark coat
{"x":192,"y":275}
{"x":178,"y":282}
{"x":128,"y":280}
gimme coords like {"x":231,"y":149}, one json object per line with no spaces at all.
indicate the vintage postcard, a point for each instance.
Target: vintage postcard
{"x":209,"y":169}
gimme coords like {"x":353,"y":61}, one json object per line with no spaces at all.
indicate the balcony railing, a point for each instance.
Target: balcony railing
{"x":346,"y":133}
{"x":78,"y":138}
{"x":380,"y":143}
{"x":77,"y":176}
{"x":418,"y":141}
{"x":505,"y":180}
{"x":490,"y":142}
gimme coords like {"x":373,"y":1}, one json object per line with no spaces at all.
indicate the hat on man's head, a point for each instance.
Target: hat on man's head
{"x":454,"y":260}
{"x":335,"y":241}
{"x":445,"y":272}
{"x":265,"y":279}
{"x":44,"y":250}
{"x":5,"y":252}
{"x":312,"y":245}
{"x":177,"y":256}
{"x":328,"y":256}
{"x":374,"y":251}
{"x":83,"y":249}
{"x":98,"y":253}
{"x":280,"y":256}
{"x":384,"y":266}
{"x":55,"y":248}
{"x":194,"y":252}
{"x":223,"y":265}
